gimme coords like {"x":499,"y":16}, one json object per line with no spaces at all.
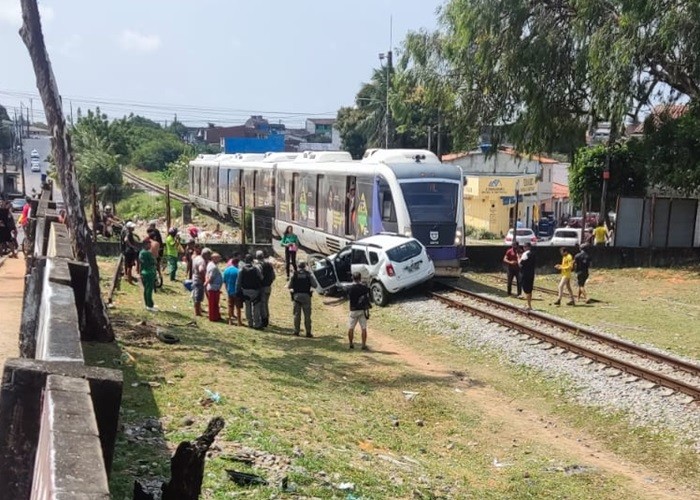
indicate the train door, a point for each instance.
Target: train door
{"x":295,"y":194}
{"x":387,"y":207}
{"x":320,"y":203}
{"x":350,"y":205}
{"x":256,"y":180}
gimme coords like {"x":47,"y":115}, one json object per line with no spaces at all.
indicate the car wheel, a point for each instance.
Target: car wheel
{"x":379,"y":294}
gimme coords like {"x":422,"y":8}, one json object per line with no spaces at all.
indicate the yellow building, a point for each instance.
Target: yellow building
{"x":489,"y":201}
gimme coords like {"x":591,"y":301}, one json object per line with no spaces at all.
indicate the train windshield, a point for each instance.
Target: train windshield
{"x":431,"y":201}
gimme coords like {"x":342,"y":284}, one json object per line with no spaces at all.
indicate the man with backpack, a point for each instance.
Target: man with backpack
{"x":301,"y":285}
{"x":249,"y":285}
{"x":268,"y":277}
{"x":359,"y":309}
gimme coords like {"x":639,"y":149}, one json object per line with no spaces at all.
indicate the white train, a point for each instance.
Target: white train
{"x":330,"y":199}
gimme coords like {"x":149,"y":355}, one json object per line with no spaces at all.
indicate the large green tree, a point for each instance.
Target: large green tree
{"x":671,"y":148}
{"x":541,"y":71}
{"x":628,"y":175}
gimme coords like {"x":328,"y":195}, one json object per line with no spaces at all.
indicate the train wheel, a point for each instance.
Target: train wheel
{"x":379,"y":294}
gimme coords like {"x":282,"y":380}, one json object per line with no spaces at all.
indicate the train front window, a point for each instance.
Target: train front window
{"x":431,"y":201}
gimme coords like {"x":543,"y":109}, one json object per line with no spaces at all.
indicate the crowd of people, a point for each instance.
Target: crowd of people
{"x":247,"y":280}
{"x":520,"y":262}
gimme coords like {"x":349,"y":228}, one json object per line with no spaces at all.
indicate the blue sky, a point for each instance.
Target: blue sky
{"x":208,"y":60}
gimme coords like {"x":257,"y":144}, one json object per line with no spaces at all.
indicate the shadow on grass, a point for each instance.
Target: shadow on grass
{"x":140,"y":449}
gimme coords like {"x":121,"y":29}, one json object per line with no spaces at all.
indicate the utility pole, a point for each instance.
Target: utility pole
{"x":439,"y":134}
{"x":515,"y":215}
{"x":389,"y":72}
{"x":71,"y":114}
{"x":606,"y":174}
{"x":167,"y":206}
{"x":95,"y":215}
{"x":20,"y":138}
{"x":31,"y":110}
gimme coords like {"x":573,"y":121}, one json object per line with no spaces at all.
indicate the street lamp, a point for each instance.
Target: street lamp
{"x":515,"y":215}
{"x":387,"y":119}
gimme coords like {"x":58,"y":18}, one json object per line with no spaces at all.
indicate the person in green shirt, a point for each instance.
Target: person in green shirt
{"x":290,"y":242}
{"x":148,"y":274}
{"x":172,"y":251}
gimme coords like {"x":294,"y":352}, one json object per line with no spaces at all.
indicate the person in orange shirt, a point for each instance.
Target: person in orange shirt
{"x":566,"y":267}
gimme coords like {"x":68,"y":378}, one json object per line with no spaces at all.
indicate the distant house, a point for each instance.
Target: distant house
{"x":321,"y":135}
{"x":255,"y":127}
{"x":490,"y":181}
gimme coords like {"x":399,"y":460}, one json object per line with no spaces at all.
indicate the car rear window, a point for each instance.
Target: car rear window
{"x":524,"y":232}
{"x":404,"y":251}
{"x":566,"y":234}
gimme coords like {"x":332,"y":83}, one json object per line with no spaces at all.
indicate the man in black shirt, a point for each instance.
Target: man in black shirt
{"x":268,"y":277}
{"x":527,"y":265}
{"x":359,"y":309}
{"x":301,"y":286}
{"x":250,"y":284}
{"x":582,"y":264}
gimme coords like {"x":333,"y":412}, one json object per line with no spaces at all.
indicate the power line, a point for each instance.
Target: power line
{"x":170,"y":108}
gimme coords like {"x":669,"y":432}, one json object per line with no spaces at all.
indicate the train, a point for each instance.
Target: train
{"x":331,"y":200}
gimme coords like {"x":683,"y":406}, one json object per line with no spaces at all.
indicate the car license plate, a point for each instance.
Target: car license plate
{"x":414,"y":267}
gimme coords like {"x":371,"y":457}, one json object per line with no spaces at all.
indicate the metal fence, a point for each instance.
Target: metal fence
{"x":657,"y":222}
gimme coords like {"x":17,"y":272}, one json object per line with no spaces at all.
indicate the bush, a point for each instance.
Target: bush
{"x":480,"y":234}
{"x":145,"y":206}
{"x":156,"y":154}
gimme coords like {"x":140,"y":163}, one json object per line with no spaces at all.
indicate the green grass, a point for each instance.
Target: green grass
{"x":159,"y":177}
{"x":655,"y":306}
{"x":281,"y":393}
{"x":146,"y":206}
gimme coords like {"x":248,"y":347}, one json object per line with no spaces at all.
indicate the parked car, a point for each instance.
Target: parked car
{"x":18,"y":204}
{"x":524,"y":235}
{"x":34,"y":154}
{"x":36,"y":166}
{"x":566,"y":237}
{"x":388,"y":264}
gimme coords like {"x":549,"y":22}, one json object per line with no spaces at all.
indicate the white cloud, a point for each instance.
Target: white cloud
{"x":138,"y":42}
{"x":11,"y":13}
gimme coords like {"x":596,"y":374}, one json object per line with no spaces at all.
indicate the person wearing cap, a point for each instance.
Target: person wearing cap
{"x":199,"y":270}
{"x":212,"y":283}
{"x":148,"y":273}
{"x":249,"y":283}
{"x":301,"y":286}
{"x":130,"y":249}
{"x":171,"y":252}
{"x":268,"y":277}
{"x":527,"y":264}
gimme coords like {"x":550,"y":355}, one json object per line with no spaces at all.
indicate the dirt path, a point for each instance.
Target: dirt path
{"x":11,"y":292}
{"x":521,"y":422}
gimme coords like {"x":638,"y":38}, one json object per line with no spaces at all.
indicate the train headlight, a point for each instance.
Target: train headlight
{"x":458,"y":237}
{"x":407,"y":231}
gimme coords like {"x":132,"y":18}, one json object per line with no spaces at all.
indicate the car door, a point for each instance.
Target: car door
{"x":326,"y":276}
{"x":360,"y":263}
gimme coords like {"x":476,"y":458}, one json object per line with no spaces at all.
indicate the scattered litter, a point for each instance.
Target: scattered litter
{"x":410,"y":395}
{"x":499,"y":465}
{"x":346,"y":486}
{"x":243,"y":479}
{"x":420,"y":423}
{"x":212,"y":398}
{"x":165,"y":337}
{"x":135,"y":384}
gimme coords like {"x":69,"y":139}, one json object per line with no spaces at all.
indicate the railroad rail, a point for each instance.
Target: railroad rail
{"x":540,"y":289}
{"x":582,"y":350}
{"x":152,"y":186}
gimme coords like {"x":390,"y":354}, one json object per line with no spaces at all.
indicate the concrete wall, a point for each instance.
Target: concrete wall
{"x":58,"y":417}
{"x":489,"y":258}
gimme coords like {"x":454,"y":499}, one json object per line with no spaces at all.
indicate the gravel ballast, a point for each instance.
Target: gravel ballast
{"x":592,"y":383}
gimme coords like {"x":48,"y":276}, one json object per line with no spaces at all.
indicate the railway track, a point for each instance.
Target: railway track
{"x":581,"y":341}
{"x":152,"y":186}
{"x":541,"y":289}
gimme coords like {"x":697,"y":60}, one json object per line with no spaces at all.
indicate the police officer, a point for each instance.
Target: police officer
{"x":301,"y":286}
